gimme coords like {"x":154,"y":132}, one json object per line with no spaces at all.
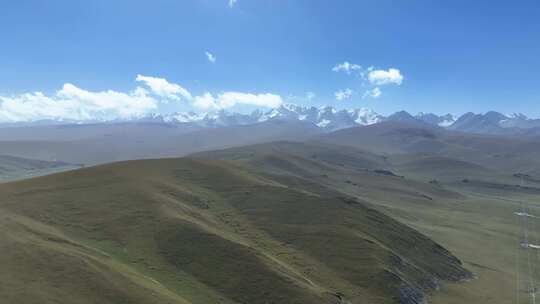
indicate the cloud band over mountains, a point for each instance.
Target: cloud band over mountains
{"x":74,"y":103}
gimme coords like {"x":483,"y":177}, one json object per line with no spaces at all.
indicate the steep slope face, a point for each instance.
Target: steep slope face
{"x":198,"y":231}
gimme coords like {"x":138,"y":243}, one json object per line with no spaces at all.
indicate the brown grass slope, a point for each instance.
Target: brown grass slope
{"x":200,"y":231}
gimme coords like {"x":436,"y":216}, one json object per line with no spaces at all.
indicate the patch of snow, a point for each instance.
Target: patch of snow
{"x":524,"y":214}
{"x":446,"y":123}
{"x":323,"y":123}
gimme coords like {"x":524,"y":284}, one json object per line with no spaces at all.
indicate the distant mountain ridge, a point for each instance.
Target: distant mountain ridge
{"x":325,"y":117}
{"x":493,"y":123}
{"x":439,"y":120}
{"x":330,"y":119}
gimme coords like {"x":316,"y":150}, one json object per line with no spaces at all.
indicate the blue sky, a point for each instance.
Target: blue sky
{"x":453,"y":56}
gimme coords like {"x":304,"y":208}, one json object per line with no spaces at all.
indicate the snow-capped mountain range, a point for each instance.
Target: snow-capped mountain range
{"x":329,"y":119}
{"x":326,"y":117}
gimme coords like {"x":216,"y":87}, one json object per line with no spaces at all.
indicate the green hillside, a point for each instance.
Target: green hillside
{"x":204,"y":231}
{"x":475,"y":219}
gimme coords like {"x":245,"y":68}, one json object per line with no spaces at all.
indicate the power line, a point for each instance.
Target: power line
{"x":526,"y":215}
{"x":518,"y":290}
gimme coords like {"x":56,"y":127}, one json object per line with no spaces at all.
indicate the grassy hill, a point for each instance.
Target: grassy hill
{"x":209,"y":231}
{"x":411,"y":147}
{"x":429,"y":167}
{"x":351,"y":219}
{"x":473,"y":219}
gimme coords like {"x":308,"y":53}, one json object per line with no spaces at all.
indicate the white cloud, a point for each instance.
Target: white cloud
{"x":162,"y":88}
{"x":229,"y":99}
{"x":364,"y":72}
{"x":206,"y":102}
{"x":382,"y":77}
{"x":373,"y":93}
{"x":346,"y":67}
{"x":73,"y":103}
{"x":343,"y":94}
{"x":210,"y":57}
{"x":371,"y":79}
{"x":232,"y":3}
{"x":310,"y":95}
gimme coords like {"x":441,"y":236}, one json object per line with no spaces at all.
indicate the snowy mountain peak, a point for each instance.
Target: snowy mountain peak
{"x":433,"y":119}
